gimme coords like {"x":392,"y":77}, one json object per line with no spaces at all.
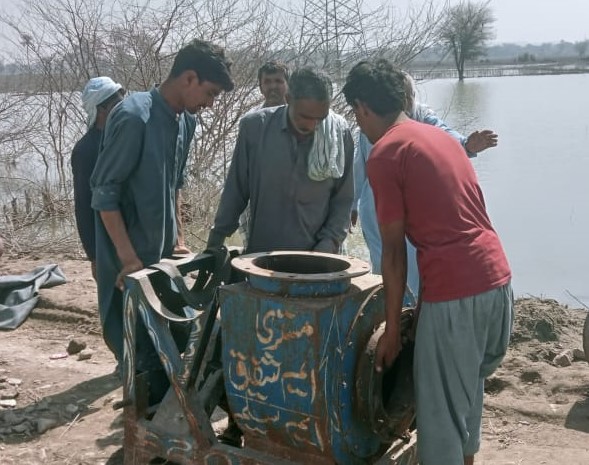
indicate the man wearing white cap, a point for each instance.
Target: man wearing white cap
{"x":99,"y":97}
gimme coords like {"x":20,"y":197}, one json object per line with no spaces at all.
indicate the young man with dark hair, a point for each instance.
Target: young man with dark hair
{"x":363,"y":206}
{"x":136,"y":183}
{"x":99,"y":97}
{"x":425,"y":188}
{"x":273,"y":82}
{"x":293,"y":164}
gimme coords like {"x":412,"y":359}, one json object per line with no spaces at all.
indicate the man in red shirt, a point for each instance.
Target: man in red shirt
{"x":425,"y":188}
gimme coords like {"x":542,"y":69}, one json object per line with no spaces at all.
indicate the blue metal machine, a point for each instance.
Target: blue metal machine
{"x":298,"y":336}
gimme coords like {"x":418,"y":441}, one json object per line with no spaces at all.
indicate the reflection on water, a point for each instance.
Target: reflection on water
{"x":536,"y":181}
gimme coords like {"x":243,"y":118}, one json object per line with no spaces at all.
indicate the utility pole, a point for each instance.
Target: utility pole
{"x":332,"y":34}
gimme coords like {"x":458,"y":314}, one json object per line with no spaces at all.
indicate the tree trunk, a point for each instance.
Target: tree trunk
{"x":461,"y":69}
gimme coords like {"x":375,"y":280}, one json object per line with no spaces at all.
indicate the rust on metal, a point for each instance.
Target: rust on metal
{"x":295,"y":362}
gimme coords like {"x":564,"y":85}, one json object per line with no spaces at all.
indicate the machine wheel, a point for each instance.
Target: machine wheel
{"x":586,"y":338}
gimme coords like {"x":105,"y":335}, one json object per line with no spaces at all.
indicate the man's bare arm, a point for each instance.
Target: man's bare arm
{"x":394,"y":276}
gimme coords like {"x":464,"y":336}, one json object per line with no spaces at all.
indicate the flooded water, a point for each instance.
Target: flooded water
{"x":536,"y":182}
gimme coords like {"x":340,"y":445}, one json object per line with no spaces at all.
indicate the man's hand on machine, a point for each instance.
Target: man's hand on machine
{"x":388,"y":347}
{"x":130,"y":265}
{"x":215,"y":241}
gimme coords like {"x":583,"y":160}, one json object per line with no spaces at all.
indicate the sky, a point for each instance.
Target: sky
{"x":538,"y":21}
{"x":529,"y":21}
{"x":519,"y":21}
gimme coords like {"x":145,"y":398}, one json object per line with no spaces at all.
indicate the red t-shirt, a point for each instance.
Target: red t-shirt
{"x":422,"y":175}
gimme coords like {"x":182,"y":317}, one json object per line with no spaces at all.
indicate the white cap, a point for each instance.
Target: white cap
{"x":97,"y":90}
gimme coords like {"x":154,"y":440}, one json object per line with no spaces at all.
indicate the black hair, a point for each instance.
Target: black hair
{"x":307,"y":83}
{"x":207,"y":60}
{"x":378,"y":85}
{"x":272,"y":67}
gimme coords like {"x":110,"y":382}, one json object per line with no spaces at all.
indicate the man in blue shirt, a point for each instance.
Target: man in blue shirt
{"x":99,"y":97}
{"x":136,"y":183}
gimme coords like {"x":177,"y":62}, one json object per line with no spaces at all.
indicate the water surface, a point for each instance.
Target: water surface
{"x":536,"y":182}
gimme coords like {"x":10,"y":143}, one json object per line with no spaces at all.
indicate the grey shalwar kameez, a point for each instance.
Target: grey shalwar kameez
{"x":289,"y":211}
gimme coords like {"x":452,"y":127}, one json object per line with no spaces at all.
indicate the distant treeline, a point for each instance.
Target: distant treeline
{"x":502,"y":53}
{"x":518,"y":53}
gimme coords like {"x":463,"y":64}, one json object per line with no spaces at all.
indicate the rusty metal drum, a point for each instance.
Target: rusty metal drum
{"x":295,"y":337}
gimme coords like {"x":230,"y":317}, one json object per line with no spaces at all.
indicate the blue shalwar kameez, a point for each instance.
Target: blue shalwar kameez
{"x":139,"y":169}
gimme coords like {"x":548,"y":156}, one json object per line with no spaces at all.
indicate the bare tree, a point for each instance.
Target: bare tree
{"x":400,"y":37}
{"x":248,"y":30}
{"x":60,"y":44}
{"x":58,"y":47}
{"x":467,"y":28}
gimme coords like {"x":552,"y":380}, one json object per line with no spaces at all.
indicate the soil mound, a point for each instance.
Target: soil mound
{"x":544,"y":320}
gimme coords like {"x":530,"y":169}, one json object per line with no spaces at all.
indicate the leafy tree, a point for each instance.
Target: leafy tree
{"x":581,"y":47}
{"x":466,"y":30}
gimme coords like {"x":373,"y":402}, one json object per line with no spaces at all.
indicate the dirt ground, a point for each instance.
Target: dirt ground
{"x":536,"y":412}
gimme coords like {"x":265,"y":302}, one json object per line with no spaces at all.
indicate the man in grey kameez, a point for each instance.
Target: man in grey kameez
{"x":135,"y":185}
{"x":293,"y":164}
